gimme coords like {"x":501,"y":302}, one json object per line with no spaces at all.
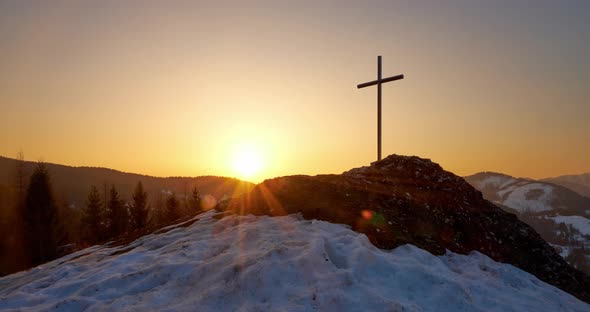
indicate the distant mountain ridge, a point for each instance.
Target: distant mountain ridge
{"x":72,"y":184}
{"x":576,"y":182}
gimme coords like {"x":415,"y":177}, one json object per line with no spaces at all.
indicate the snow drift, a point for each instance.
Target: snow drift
{"x":248,"y":263}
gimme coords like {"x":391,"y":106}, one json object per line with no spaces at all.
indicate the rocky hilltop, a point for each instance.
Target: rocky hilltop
{"x":409,"y":200}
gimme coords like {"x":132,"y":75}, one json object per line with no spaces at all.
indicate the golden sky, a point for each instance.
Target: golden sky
{"x":172,"y":88}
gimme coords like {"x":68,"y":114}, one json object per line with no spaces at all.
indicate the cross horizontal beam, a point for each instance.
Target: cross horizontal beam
{"x":384,"y":80}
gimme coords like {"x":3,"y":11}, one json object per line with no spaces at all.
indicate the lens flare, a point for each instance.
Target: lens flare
{"x":367,"y":214}
{"x":208,"y":202}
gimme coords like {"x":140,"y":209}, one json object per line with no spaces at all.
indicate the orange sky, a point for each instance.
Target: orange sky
{"x":179,"y":87}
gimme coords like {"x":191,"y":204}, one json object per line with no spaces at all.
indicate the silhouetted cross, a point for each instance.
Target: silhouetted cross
{"x":378,"y":82}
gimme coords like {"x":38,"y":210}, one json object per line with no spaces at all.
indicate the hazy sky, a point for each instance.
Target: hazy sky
{"x":176,"y":87}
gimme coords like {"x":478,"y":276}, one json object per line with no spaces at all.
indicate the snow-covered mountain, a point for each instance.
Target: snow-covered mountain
{"x":529,"y":196}
{"x":248,"y":263}
{"x":560,"y":215}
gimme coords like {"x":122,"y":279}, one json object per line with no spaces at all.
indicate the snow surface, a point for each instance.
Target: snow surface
{"x":517,"y":198}
{"x":579,"y":223}
{"x":275,"y":264}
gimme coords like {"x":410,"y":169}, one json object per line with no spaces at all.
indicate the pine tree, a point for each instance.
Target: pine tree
{"x":20,"y":180}
{"x":195,"y":201}
{"x":138,"y":209}
{"x":158,"y":212}
{"x":40,"y":218}
{"x":172,"y":206}
{"x":12,"y":233}
{"x":93,"y":215}
{"x":118,"y":217}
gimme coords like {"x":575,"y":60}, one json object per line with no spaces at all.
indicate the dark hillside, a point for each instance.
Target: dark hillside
{"x":72,"y":184}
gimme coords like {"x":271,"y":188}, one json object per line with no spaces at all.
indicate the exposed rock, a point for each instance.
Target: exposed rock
{"x":403,"y":199}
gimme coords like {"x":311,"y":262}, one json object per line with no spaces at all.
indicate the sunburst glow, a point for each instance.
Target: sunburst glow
{"x":248,"y":161}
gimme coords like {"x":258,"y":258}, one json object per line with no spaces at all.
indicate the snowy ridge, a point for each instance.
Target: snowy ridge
{"x":275,"y":263}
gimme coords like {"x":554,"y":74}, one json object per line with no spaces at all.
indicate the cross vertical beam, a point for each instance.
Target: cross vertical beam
{"x":380,"y":80}
{"x":379,"y":108}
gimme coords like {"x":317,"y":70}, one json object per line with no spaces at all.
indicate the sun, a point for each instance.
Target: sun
{"x":248,"y":161}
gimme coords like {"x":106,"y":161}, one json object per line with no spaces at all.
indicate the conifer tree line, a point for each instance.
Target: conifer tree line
{"x":108,"y":218}
{"x":40,"y":228}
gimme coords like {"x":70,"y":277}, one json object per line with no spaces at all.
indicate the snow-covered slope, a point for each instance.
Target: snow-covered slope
{"x":531,"y":197}
{"x":275,"y":264}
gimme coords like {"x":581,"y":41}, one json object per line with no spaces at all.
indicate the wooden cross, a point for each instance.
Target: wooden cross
{"x":378,"y":82}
